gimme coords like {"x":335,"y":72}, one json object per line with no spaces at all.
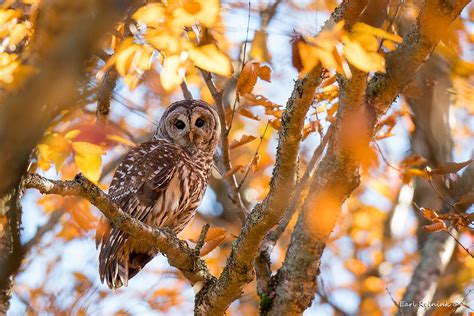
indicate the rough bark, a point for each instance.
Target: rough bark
{"x":296,"y":280}
{"x":177,"y":251}
{"x":349,"y":11}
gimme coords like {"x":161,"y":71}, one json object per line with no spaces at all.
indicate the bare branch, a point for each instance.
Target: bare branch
{"x":104,"y":93}
{"x":42,"y":230}
{"x":179,"y":254}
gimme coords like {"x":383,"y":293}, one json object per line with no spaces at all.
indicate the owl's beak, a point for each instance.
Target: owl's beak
{"x":191,"y":136}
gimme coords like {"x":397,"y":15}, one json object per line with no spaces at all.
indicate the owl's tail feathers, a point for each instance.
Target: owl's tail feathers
{"x":116,"y":271}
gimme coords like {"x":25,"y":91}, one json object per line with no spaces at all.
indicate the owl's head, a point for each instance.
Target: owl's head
{"x":193,"y":124}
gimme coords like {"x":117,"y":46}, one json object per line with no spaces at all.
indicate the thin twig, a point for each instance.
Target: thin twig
{"x":41,"y":231}
{"x":392,"y":21}
{"x":253,"y":158}
{"x":202,"y":239}
{"x":459,"y":243}
{"x":385,"y":159}
{"x":393,"y":300}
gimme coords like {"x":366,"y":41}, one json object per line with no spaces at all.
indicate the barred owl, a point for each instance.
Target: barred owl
{"x":160,"y":182}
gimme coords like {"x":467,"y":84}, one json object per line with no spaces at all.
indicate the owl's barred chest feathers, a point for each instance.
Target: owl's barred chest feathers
{"x":184,"y":192}
{"x":188,"y":174}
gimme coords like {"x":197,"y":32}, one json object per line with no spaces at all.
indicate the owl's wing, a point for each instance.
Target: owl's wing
{"x":139,"y":181}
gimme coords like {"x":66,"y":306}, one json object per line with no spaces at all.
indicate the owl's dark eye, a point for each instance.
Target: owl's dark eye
{"x":180,"y":124}
{"x":199,"y":122}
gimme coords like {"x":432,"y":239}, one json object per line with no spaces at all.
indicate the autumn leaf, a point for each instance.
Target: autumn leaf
{"x":205,"y":12}
{"x":170,"y":76}
{"x":88,"y":159}
{"x":259,"y":50}
{"x":53,"y":149}
{"x":435,"y":227}
{"x":245,"y":139}
{"x":248,"y":114}
{"x":233,"y":171}
{"x":429,"y":214}
{"x":215,"y":236}
{"x":210,"y":58}
{"x":451,"y":167}
{"x":360,"y":58}
{"x":365,"y":28}
{"x":248,"y":77}
{"x":151,"y":14}
{"x":264,"y":73}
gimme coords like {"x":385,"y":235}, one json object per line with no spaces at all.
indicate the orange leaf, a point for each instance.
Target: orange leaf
{"x":263,"y":72}
{"x":212,"y":244}
{"x":247,"y":78}
{"x":429,"y":214}
{"x":245,"y":139}
{"x":232,"y":171}
{"x":248,"y":114}
{"x":435,"y":227}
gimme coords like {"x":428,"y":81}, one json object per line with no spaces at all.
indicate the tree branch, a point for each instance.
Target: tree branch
{"x":337,"y":175}
{"x":401,"y":64}
{"x":238,"y":271}
{"x":179,"y":254}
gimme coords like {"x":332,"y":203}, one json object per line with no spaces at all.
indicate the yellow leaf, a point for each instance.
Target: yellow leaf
{"x":308,"y":56}
{"x":72,"y":134}
{"x":365,"y":28}
{"x":88,"y":159}
{"x":54,"y":148}
{"x":366,"y":40}
{"x":259,"y":49}
{"x":210,"y":58}
{"x":151,"y":14}
{"x":192,"y":11}
{"x":18,"y":33}
{"x":8,"y":66}
{"x":362,"y":59}
{"x":164,"y":41}
{"x":124,"y":56}
{"x":170,"y":76}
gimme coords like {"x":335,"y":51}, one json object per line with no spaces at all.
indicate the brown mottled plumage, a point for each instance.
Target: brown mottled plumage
{"x":160,"y":182}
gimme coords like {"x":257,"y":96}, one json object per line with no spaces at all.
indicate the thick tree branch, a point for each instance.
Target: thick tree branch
{"x":262,"y":262}
{"x":215,"y":299}
{"x":335,"y":178}
{"x":401,"y":65}
{"x":179,"y":254}
{"x":337,"y":175}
